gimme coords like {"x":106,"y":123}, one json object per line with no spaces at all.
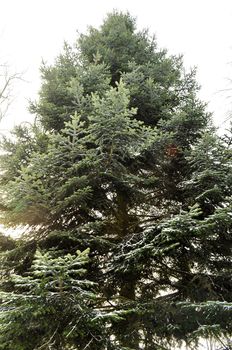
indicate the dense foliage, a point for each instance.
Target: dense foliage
{"x":123,"y":161}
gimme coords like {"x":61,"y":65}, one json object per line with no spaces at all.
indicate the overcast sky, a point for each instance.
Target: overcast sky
{"x":199,"y":29}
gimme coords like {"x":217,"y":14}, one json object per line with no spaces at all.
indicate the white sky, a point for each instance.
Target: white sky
{"x":200,"y":29}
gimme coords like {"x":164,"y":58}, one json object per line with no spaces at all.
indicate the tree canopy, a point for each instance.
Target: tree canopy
{"x":126,"y":189}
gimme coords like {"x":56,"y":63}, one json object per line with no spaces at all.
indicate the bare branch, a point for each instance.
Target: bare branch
{"x":7,"y":80}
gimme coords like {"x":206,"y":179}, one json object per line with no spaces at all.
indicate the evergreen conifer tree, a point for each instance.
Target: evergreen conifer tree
{"x":123,"y":161}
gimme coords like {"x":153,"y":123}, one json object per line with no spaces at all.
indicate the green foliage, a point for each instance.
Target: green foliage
{"x":105,"y":44}
{"x":79,"y":159}
{"x":51,"y":304}
{"x":125,"y":162}
{"x":17,"y":150}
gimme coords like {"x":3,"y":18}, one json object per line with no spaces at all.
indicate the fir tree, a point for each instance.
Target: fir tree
{"x":124,"y":162}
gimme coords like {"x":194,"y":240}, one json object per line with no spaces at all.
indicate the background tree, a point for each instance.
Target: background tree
{"x":6,"y":84}
{"x":125,"y":161}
